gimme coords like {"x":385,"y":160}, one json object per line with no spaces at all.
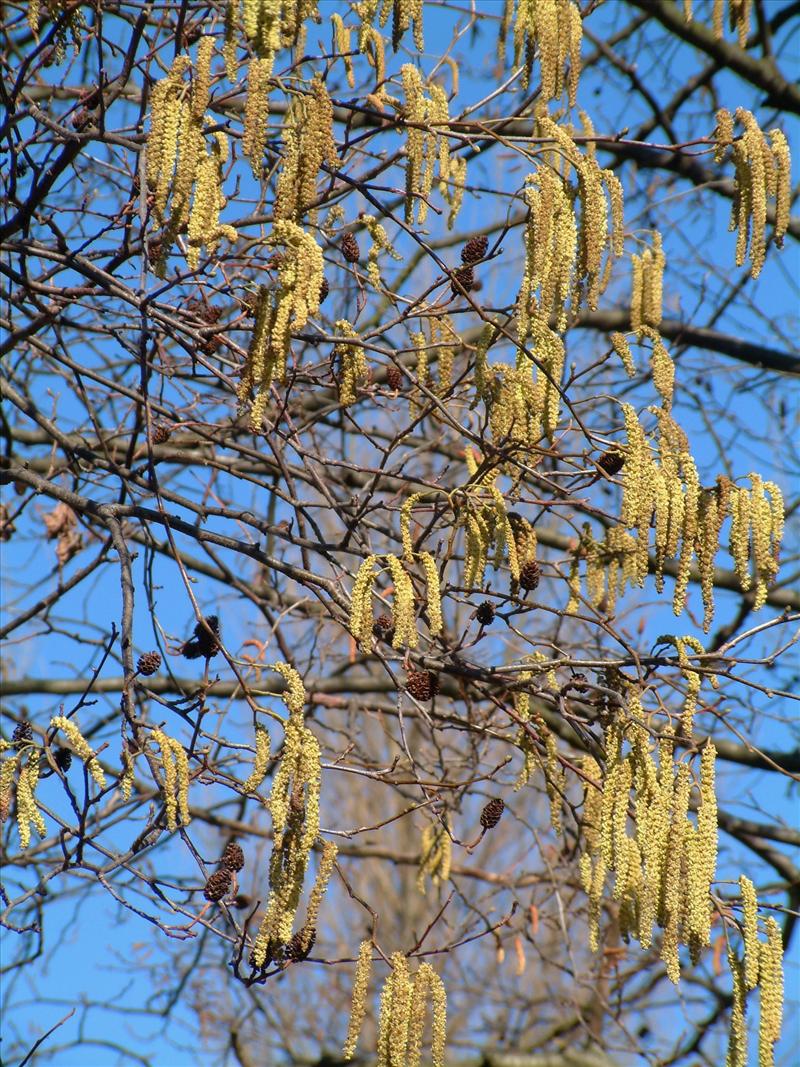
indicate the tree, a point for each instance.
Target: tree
{"x":397,"y":458}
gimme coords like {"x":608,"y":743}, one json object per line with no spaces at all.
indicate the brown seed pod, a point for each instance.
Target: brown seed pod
{"x":160,"y":434}
{"x":485,"y":613}
{"x":422,"y":685}
{"x":382,"y":628}
{"x":296,"y":950}
{"x":23,"y":732}
{"x":611,"y":462}
{"x":63,"y":758}
{"x":529,"y":575}
{"x":232,"y":858}
{"x":474,"y":249}
{"x":324,"y":289}
{"x":203,"y":644}
{"x":148,"y":663}
{"x":394,"y":378}
{"x":217,"y":885}
{"x":492,"y":813}
{"x":349,"y":248}
{"x":465,"y":276}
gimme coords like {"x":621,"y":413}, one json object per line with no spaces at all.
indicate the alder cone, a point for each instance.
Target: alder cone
{"x":295,"y":951}
{"x":232,"y":857}
{"x":394,"y":378}
{"x":529,"y":575}
{"x":148,"y":663}
{"x":23,"y":732}
{"x":466,"y":276}
{"x":383,"y":628}
{"x":474,"y":249}
{"x":63,"y":758}
{"x":350,"y":249}
{"x":611,"y":462}
{"x":160,"y":434}
{"x":485,"y":613}
{"x":217,"y":885}
{"x":324,"y":289}
{"x":492,"y":813}
{"x":422,"y":685}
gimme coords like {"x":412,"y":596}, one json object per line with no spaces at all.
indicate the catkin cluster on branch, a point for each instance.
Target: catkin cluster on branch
{"x":647,"y":274}
{"x":178,"y":161}
{"x":760,"y":967}
{"x":553,"y":28}
{"x":380,"y":243}
{"x":81,"y":747}
{"x":738,"y":17}
{"x":280,"y":312}
{"x":68,"y":19}
{"x":662,"y":491}
{"x":763,"y":172}
{"x":352,"y":368}
{"x":28,"y":813}
{"x":564,"y":258}
{"x":404,"y":1003}
{"x":294,"y":807}
{"x":176,"y":779}
{"x":404,"y":615}
{"x":261,"y":761}
{"x":308,"y":143}
{"x":427,"y":148}
{"x":664,"y":869}
{"x":488,"y":530}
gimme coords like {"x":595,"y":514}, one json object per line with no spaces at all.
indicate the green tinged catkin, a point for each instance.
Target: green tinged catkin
{"x":771,"y":992}
{"x":361,"y":617}
{"x":435,"y":856}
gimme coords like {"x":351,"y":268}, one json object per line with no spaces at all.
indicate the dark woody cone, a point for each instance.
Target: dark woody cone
{"x":492,"y":813}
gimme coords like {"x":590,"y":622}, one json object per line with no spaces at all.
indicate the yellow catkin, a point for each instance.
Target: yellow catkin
{"x":749,"y":931}
{"x":737,"y":1036}
{"x":256,"y":112}
{"x":27,"y":811}
{"x":8,"y":768}
{"x":405,"y":526}
{"x":278,"y":315}
{"x":202,"y":77}
{"x":81,"y":746}
{"x":723,"y":133}
{"x":783,"y":170}
{"x":341,"y":37}
{"x":261,"y":761}
{"x":176,"y":779}
{"x":434,"y":594}
{"x":361,"y":617}
{"x":229,"y":44}
{"x":358,"y":1003}
{"x":126,"y":779}
{"x":380,"y":243}
{"x":701,"y":860}
{"x":403,"y":609}
{"x":354,"y":368}
{"x":771,"y":993}
{"x":324,"y":872}
{"x":435,"y":856}
{"x":673,"y":880}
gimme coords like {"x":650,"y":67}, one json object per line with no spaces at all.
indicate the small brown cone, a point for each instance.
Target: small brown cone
{"x":466,"y":277}
{"x":611,"y":462}
{"x":350,"y":249}
{"x":148,"y":663}
{"x":474,"y":249}
{"x":485,"y":613}
{"x":394,"y":378}
{"x":217,"y":885}
{"x":232,"y":857}
{"x":492,"y":813}
{"x":529,"y":575}
{"x":422,"y":685}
